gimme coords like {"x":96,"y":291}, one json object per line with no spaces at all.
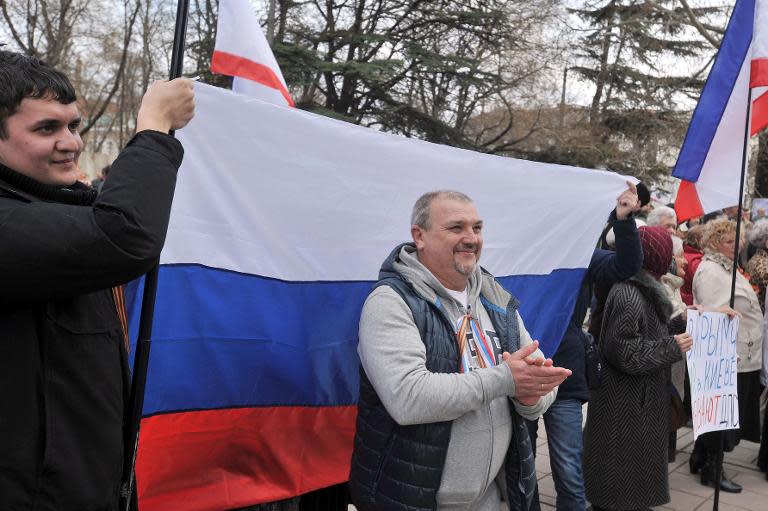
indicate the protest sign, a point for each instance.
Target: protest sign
{"x":712,"y":371}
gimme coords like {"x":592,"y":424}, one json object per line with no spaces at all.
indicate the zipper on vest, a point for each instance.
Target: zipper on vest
{"x":490,"y":456}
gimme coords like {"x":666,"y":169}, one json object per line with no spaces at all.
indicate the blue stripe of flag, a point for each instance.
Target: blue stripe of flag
{"x":717,"y":92}
{"x":223,"y":339}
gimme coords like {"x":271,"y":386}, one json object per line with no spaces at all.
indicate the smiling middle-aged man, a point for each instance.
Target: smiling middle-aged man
{"x":448,"y":374}
{"x":63,"y":362}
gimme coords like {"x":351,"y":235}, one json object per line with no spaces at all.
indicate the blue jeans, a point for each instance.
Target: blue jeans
{"x":564,"y":438}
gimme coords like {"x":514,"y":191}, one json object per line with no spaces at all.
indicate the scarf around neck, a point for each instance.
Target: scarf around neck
{"x":721,"y":259}
{"x":78,"y":194}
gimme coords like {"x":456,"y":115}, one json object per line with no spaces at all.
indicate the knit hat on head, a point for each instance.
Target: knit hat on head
{"x":657,"y":250}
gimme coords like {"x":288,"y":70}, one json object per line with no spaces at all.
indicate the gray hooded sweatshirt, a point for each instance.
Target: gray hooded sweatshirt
{"x":393,"y":356}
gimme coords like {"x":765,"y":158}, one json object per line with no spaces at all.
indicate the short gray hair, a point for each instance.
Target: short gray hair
{"x":758,"y":234}
{"x":659,"y":212}
{"x":677,"y":246}
{"x":420,"y":213}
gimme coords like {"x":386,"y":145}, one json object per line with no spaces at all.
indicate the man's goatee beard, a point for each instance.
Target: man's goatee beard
{"x":465,"y":270}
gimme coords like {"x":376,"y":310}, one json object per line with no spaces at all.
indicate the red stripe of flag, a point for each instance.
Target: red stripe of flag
{"x":232,"y":65}
{"x":231,"y":458}
{"x":758,"y":76}
{"x":759,"y":114}
{"x":687,"y":203}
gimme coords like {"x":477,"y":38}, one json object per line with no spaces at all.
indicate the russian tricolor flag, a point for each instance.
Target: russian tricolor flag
{"x":709,"y":164}
{"x":279,"y":226}
{"x":280,"y":223}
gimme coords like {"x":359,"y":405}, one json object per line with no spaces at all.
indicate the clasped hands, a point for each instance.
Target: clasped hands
{"x":534,"y":376}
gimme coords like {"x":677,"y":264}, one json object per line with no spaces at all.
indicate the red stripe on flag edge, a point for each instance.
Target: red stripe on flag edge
{"x":232,"y":65}
{"x":239,"y":407}
{"x":687,"y":202}
{"x":758,"y":73}
{"x":759,"y":114}
{"x":229,"y":458}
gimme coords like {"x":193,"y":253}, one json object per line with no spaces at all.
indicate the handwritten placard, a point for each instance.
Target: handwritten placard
{"x":712,"y":371}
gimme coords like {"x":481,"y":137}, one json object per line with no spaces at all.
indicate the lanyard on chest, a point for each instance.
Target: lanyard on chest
{"x":475,"y":351}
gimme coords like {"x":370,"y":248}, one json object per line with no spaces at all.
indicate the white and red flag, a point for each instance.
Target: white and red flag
{"x":242,"y":51}
{"x":710,"y":161}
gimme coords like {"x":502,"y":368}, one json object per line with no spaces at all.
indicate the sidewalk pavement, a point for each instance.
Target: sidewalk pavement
{"x":686,"y":492}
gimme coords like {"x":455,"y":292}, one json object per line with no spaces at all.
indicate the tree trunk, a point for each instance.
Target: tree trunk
{"x":594,"y":110}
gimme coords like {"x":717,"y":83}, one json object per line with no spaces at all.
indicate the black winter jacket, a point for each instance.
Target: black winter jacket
{"x":625,"y":440}
{"x":63,"y":365}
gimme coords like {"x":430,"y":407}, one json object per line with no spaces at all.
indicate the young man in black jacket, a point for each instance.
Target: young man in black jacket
{"x":63,"y":362}
{"x":563,"y":419}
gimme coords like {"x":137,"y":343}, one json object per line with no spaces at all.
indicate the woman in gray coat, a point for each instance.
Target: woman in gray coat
{"x":625,"y":440}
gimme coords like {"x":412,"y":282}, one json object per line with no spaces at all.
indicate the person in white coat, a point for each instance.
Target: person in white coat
{"x":711,"y":288}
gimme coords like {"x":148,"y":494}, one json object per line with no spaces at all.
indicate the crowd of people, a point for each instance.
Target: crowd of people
{"x":452,"y":383}
{"x":633,"y":416}
{"x":433,"y":436}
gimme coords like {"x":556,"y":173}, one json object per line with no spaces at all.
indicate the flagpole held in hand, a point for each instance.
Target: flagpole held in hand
{"x":128,"y":494}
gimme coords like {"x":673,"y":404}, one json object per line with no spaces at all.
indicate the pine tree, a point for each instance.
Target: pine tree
{"x":639,"y":56}
{"x":420,"y":68}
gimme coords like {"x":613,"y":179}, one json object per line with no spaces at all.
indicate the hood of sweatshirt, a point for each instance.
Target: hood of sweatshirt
{"x":404,"y":261}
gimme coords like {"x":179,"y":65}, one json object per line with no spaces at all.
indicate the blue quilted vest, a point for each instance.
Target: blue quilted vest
{"x":399,"y":468}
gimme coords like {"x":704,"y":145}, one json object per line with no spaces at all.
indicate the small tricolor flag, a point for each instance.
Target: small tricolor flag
{"x":710,"y":161}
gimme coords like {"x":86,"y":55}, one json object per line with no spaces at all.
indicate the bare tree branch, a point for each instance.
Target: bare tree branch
{"x":93,"y":119}
{"x":698,"y":26}
{"x":14,"y":33}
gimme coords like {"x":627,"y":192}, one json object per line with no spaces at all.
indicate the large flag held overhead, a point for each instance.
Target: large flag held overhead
{"x":279,"y":225}
{"x":710,"y":161}
{"x":242,"y":51}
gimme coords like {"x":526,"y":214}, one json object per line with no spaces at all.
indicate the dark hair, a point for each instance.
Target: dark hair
{"x":27,"y":77}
